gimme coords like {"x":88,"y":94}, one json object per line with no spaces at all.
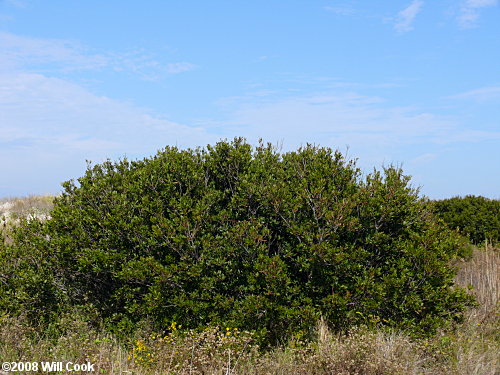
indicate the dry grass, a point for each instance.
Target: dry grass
{"x":16,"y":208}
{"x":78,"y":344}
{"x":469,"y":348}
{"x":361,"y":352}
{"x":481,"y":274}
{"x":13,"y":209}
{"x":475,"y":343}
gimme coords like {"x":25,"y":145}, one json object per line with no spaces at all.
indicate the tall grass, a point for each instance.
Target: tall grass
{"x":475,"y":343}
{"x":12,"y":209}
{"x":15,"y":208}
{"x":481,"y":274}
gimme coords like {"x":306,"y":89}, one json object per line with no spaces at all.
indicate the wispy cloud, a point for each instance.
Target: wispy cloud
{"x":482,"y":94}
{"x":50,"y":55}
{"x":469,"y":136}
{"x":469,"y":11}
{"x":424,"y":158}
{"x":24,"y":52}
{"x":40,"y":108}
{"x":15,"y":3}
{"x":405,"y":18}
{"x":44,"y":115}
{"x":180,"y":67}
{"x":47,"y":118}
{"x":341,"y":10}
{"x":373,"y":128}
{"x":145,"y":66}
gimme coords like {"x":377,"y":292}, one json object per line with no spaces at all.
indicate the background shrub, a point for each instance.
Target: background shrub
{"x":477,"y":218}
{"x":237,"y":237}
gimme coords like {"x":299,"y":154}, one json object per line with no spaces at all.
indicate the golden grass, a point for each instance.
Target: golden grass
{"x":16,"y":208}
{"x":476,"y":342}
{"x":481,"y":274}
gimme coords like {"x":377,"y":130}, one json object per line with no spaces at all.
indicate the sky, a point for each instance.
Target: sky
{"x":411,"y":83}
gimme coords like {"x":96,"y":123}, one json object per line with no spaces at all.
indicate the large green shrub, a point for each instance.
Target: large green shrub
{"x":478,"y":218}
{"x":237,"y":237}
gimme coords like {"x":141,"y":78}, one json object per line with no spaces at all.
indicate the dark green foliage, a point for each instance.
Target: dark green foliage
{"x":478,"y":218}
{"x":238,"y":237}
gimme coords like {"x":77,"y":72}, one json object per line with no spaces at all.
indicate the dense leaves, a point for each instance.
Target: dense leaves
{"x":240,"y":237}
{"x":478,"y":218}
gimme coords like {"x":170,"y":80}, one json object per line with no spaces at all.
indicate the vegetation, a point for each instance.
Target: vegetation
{"x":237,"y":260}
{"x":235,"y":237}
{"x":12,"y":209}
{"x":468,"y":348}
{"x":478,"y":218}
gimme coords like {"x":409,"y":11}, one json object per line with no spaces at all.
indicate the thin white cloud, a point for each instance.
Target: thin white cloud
{"x":424,"y":158}
{"x":50,"y":126}
{"x":139,"y":63}
{"x":49,"y":55}
{"x":341,"y":10}
{"x":405,"y":18}
{"x":469,"y":136}
{"x":368,"y":128}
{"x":16,"y":3}
{"x":180,"y":67}
{"x":469,"y":11}
{"x":371,"y":128}
{"x":19,"y":51}
{"x":37,"y":108}
{"x":337,"y":116}
{"x":482,"y":94}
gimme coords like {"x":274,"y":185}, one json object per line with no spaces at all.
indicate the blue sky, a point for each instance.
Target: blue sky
{"x":412,"y":82}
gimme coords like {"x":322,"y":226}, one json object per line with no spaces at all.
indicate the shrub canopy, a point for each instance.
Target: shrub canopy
{"x":478,"y":218}
{"x":240,"y":237}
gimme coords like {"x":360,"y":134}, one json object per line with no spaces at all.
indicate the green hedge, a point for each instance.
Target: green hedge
{"x":240,"y":237}
{"x":478,"y":218}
